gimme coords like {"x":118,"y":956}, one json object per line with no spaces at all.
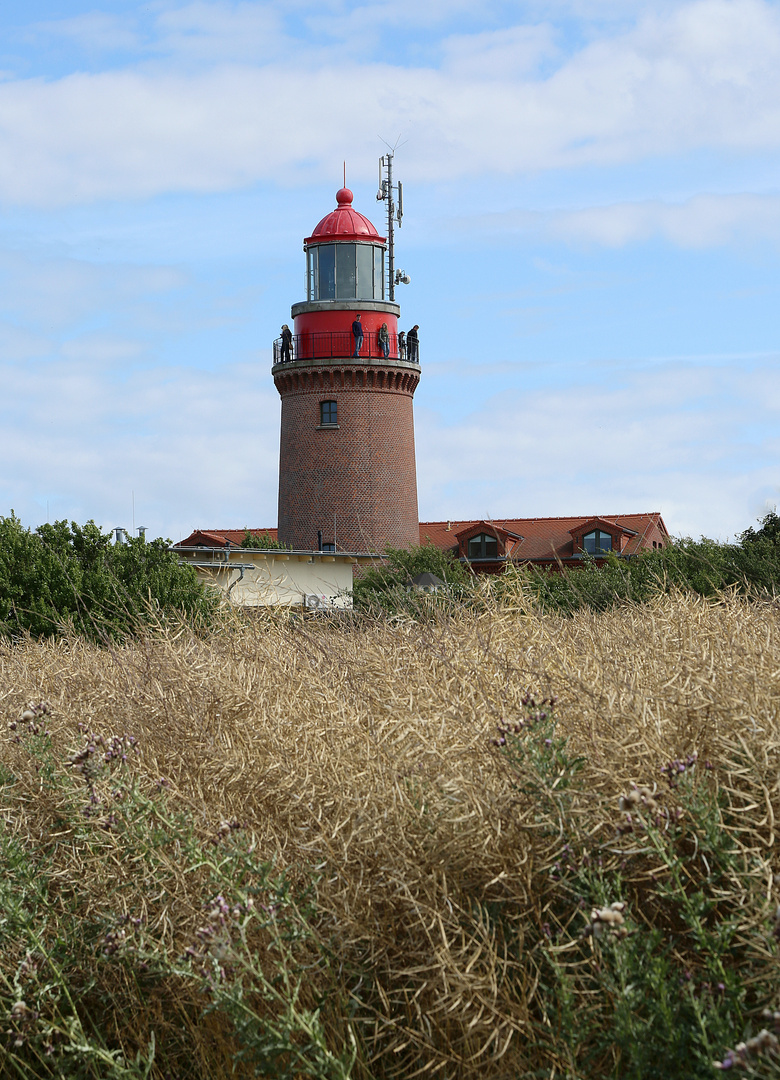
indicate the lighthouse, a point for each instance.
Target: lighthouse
{"x":347,"y":474}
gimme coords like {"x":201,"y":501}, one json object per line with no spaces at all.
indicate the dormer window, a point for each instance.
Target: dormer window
{"x":597,"y":542}
{"x":483,"y":546}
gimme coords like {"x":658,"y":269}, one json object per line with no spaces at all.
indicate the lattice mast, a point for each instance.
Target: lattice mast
{"x":395,"y":212}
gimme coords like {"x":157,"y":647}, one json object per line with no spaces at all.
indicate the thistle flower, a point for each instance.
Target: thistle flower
{"x":607,"y":920}
{"x":764,"y":1042}
{"x":673,"y":769}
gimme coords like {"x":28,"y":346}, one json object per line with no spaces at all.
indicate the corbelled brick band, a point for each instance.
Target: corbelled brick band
{"x":362,"y":471}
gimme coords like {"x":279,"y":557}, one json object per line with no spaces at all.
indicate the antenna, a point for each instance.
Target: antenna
{"x":394,"y":212}
{"x":345,"y":174}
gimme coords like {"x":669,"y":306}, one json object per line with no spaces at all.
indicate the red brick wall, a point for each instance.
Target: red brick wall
{"x":364,"y":471}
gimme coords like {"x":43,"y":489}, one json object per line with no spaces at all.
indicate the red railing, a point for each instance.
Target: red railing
{"x":326,"y":345}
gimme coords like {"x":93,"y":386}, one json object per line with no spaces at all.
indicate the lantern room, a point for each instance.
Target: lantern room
{"x":348,"y":271}
{"x":345,"y":256}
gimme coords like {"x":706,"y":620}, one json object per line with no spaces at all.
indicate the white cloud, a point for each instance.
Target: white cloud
{"x":216,"y":32}
{"x":703,"y":221}
{"x":498,"y":54}
{"x":105,"y":349}
{"x":363,"y":24}
{"x":195,"y":448}
{"x":704,"y":76}
{"x":95,"y":31}
{"x":200,"y":448}
{"x":50,"y":293}
{"x":691,"y":441}
{"x":19,"y":343}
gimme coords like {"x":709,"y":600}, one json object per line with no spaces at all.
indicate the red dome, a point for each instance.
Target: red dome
{"x":344,"y":223}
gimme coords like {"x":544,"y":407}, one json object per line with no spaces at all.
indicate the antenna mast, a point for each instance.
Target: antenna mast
{"x":395,"y":212}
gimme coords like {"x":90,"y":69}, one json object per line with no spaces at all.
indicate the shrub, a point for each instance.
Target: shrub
{"x":389,"y":586}
{"x":77,"y":967}
{"x":262,"y":541}
{"x":648,"y":966}
{"x":703,"y":566}
{"x":341,"y":875}
{"x":69,"y":575}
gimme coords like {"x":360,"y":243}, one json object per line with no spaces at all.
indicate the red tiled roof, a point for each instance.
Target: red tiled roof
{"x":542,"y":538}
{"x":221,"y":537}
{"x":602,"y":523}
{"x":550,"y":538}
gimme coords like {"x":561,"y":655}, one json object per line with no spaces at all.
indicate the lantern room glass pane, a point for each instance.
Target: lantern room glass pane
{"x":311,"y":274}
{"x":326,"y":277}
{"x":379,"y":273}
{"x":345,"y":271}
{"x":365,"y":272}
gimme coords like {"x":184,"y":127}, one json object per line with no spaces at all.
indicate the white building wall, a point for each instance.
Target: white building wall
{"x":274,"y":578}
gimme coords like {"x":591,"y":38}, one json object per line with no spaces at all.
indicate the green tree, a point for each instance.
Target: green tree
{"x":262,"y":541}
{"x":702,"y":566}
{"x":70,"y":575}
{"x":758,"y":555}
{"x":389,"y":584}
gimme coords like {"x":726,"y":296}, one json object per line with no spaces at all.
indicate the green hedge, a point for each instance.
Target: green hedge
{"x":702,"y":566}
{"x":67,"y":575}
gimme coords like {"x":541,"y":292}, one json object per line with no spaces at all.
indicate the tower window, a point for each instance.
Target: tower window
{"x":483,"y":547}
{"x":597,"y":542}
{"x":329,"y":415}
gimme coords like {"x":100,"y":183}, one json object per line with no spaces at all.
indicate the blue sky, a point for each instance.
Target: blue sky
{"x":592,"y":229}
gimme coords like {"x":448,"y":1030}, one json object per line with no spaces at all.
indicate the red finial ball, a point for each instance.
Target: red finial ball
{"x":344,"y":197}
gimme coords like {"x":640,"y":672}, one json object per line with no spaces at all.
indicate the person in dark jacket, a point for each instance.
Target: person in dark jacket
{"x":286,"y":344}
{"x":413,"y":345}
{"x":357,"y":334}
{"x":383,"y":337}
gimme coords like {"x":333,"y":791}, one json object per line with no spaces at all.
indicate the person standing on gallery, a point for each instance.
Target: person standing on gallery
{"x":286,"y":344}
{"x":357,"y":334}
{"x":383,"y":337}
{"x":413,"y":345}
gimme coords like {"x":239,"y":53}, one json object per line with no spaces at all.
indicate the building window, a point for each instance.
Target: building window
{"x":597,"y":543}
{"x":483,"y":547}
{"x":329,"y":415}
{"x":328,"y":547}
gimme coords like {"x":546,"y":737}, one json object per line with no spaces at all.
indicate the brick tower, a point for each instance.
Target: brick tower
{"x":347,"y":476}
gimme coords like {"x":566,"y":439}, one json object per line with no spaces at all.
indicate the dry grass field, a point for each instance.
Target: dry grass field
{"x":439,"y":909}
